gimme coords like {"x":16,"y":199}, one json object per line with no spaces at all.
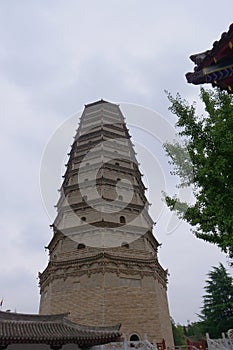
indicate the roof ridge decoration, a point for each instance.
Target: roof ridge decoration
{"x":8,"y":316}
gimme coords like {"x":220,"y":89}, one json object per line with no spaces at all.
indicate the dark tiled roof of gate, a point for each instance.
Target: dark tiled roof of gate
{"x":52,"y":329}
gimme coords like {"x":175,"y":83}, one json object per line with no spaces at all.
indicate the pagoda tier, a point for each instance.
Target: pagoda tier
{"x":103,"y":266}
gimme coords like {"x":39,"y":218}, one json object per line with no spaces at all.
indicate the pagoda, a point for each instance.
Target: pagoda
{"x":103,"y":266}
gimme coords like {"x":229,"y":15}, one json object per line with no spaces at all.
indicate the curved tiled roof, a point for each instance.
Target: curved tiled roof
{"x":215,"y":66}
{"x":51,"y":329}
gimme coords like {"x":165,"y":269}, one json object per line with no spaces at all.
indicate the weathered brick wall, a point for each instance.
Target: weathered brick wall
{"x":138,"y":303}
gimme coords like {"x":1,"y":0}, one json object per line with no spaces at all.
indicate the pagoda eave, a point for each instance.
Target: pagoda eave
{"x":215,"y":66}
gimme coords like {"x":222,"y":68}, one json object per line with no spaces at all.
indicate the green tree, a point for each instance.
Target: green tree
{"x":204,"y":160}
{"x":217,"y":310}
{"x":178,"y":334}
{"x":194,"y":331}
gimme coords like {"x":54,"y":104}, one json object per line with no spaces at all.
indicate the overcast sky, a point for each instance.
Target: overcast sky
{"x":56,"y":56}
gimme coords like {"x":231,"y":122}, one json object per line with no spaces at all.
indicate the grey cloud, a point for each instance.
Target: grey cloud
{"x":54,"y":57}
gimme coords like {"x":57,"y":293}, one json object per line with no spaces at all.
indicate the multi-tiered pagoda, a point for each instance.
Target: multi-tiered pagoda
{"x":103,"y":266}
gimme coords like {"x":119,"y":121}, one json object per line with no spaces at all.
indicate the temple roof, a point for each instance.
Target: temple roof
{"x":215,"y":66}
{"x":53,"y":330}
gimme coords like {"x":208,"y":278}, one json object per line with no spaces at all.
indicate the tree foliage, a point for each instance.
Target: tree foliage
{"x":205,"y":160}
{"x":193,"y":331}
{"x":217,"y":310}
{"x":178,"y":334}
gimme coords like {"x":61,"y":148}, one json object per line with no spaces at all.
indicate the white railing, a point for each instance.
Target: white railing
{"x":127,"y":345}
{"x":213,"y":344}
{"x":230,"y":336}
{"x":219,"y":344}
{"x":139,"y":345}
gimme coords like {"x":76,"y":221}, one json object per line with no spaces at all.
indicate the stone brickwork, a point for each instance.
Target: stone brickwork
{"x":111,"y":292}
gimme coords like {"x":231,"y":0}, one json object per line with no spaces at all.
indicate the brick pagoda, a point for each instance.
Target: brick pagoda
{"x":103,"y":266}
